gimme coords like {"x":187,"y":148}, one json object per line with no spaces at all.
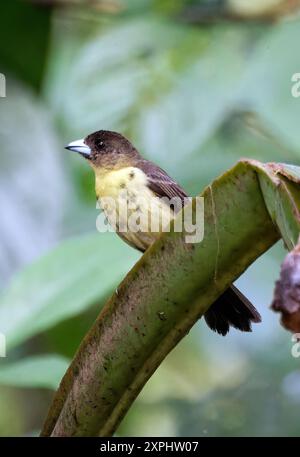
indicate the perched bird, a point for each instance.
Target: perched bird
{"x":119,"y":169}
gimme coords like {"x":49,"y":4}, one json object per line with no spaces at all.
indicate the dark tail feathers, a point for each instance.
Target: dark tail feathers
{"x":233,"y":309}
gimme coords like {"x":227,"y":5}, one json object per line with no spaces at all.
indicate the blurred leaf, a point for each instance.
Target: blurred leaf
{"x":258,"y":405}
{"x":108,"y":72}
{"x":205,"y":92}
{"x":233,"y":140}
{"x":36,"y":371}
{"x":267,"y":88}
{"x":167,"y":85}
{"x":13,"y":418}
{"x":78,"y":273}
{"x":32,"y":180}
{"x":65,"y":337}
{"x":16,"y":35}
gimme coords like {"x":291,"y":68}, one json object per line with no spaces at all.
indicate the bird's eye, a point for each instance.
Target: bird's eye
{"x":100,"y":144}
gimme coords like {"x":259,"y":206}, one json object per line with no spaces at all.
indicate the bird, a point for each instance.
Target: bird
{"x":123,"y":175}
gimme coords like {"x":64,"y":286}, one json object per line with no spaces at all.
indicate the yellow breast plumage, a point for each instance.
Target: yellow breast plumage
{"x":131,"y":206}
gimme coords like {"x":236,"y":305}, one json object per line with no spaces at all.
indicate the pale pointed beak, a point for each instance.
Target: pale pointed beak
{"x":81,"y":147}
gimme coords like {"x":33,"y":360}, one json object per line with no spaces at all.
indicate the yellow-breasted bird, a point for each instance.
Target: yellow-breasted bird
{"x":120,"y":168}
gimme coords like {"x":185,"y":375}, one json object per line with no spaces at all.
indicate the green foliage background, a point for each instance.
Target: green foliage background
{"x":193,"y":98}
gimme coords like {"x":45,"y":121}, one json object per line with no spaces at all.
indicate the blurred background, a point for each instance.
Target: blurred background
{"x":196,"y":85}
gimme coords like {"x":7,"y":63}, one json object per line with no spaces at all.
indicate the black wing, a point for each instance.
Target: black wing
{"x":161,"y":183}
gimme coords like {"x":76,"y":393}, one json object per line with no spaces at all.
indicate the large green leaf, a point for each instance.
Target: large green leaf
{"x":247,"y":209}
{"x":78,"y":273}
